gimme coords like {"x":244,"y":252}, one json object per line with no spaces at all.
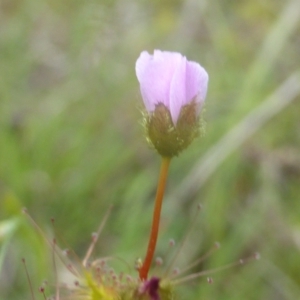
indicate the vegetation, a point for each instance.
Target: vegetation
{"x":71,"y":144}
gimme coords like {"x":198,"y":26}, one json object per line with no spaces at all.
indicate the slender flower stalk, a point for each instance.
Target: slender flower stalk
{"x":173,"y":91}
{"x":143,"y":271}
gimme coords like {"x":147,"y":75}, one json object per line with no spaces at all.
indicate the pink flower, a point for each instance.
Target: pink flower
{"x":170,"y":79}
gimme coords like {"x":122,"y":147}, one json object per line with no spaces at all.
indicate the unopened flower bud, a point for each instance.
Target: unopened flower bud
{"x":173,"y":91}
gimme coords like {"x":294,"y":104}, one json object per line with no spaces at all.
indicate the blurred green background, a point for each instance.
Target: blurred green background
{"x":71,"y":143}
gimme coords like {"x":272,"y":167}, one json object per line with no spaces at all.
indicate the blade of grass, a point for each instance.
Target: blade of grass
{"x":271,"y":49}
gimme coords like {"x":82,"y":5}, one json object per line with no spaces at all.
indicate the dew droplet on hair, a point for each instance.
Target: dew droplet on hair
{"x":94,"y":236}
{"x":171,"y":242}
{"x":217,"y":245}
{"x":138,"y":264}
{"x":199,"y":206}
{"x":114,"y":277}
{"x":72,"y":270}
{"x":210,"y":280}
{"x":175,"y":271}
{"x":129,"y":279}
{"x":112,"y":272}
{"x":42,"y":290}
{"x":158,"y":261}
{"x":256,"y":256}
{"x":66,"y":252}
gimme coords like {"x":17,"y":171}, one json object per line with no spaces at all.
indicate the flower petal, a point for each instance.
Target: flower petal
{"x":155,"y":73}
{"x":178,"y":90}
{"x":196,"y":82}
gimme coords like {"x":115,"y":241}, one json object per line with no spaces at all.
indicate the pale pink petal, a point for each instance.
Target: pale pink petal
{"x":178,"y":90}
{"x":196,"y":82}
{"x":168,"y":78}
{"x":141,"y":67}
{"x":155,"y":73}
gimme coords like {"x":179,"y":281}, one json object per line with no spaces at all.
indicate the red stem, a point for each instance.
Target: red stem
{"x":143,"y":271}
